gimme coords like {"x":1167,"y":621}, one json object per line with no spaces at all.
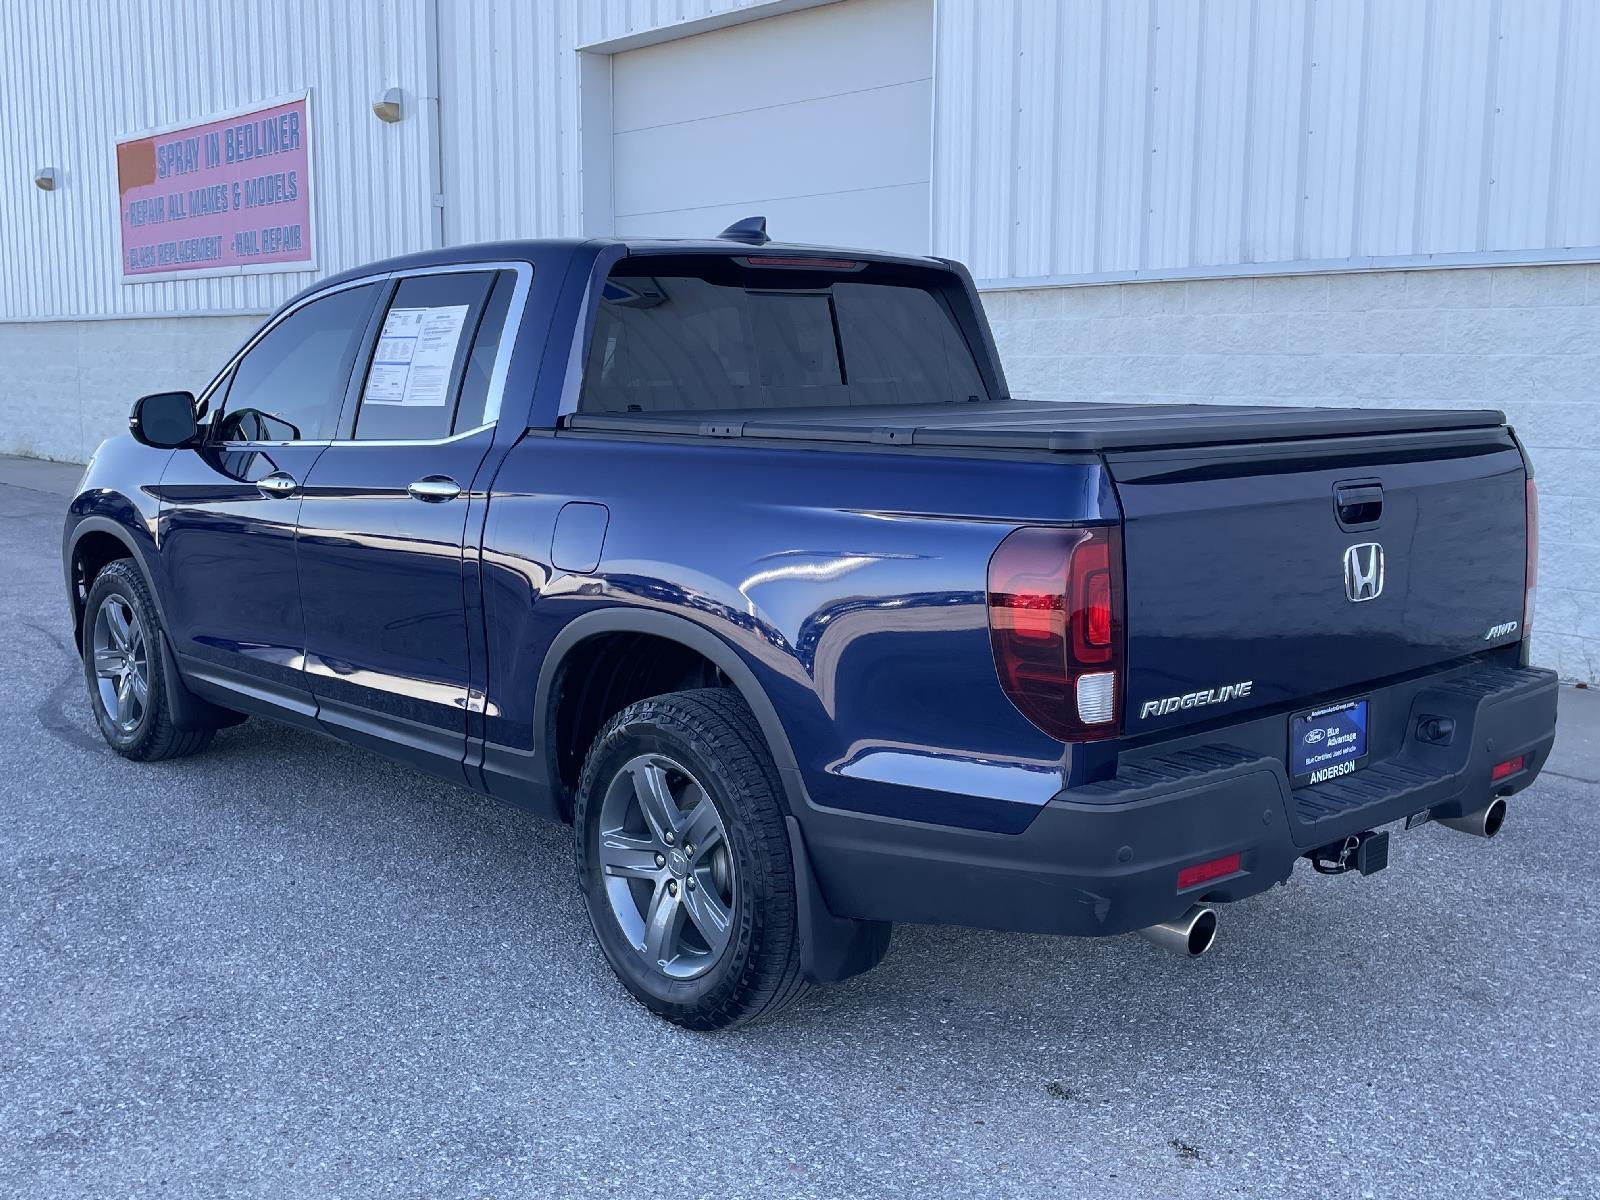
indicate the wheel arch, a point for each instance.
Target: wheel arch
{"x":95,"y":541}
{"x":670,"y":628}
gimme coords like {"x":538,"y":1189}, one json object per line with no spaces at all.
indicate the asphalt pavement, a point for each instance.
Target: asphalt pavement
{"x":287,"y":968}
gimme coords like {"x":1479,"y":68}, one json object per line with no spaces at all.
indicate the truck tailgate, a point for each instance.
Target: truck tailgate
{"x":1279,"y":574}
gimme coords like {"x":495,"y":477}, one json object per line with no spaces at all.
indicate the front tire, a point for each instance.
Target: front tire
{"x":683,"y":858}
{"x":124,"y":667}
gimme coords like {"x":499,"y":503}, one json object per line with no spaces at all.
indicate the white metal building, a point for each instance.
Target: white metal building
{"x":1362,"y":202}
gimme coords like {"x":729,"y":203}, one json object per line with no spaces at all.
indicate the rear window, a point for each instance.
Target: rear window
{"x":732,"y":337}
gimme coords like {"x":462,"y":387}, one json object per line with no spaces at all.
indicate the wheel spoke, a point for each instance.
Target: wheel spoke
{"x":709,"y":914}
{"x":702,"y":828}
{"x":655,"y":798}
{"x":628,"y":857}
{"x":662,"y":926}
{"x":124,"y":695}
{"x":109,"y":663}
{"x":139,"y":687}
{"x":117,"y":624}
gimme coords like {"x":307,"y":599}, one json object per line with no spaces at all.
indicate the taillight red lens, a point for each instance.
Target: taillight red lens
{"x":1532,"y":569}
{"x":1055,"y":622}
{"x":1091,"y":588}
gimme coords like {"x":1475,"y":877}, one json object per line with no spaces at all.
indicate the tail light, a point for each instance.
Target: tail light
{"x":1532,"y":575}
{"x":1055,"y":622}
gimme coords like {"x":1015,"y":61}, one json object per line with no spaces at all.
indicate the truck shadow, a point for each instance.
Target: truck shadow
{"x":1311,"y":960}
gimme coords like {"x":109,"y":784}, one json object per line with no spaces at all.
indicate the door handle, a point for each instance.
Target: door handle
{"x":434,"y":489}
{"x":1358,"y":504}
{"x":277,"y":485}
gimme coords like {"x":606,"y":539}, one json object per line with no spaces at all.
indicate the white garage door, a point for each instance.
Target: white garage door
{"x":819,"y":120}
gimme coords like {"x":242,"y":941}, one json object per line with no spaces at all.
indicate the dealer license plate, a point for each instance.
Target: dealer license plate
{"x":1328,"y":742}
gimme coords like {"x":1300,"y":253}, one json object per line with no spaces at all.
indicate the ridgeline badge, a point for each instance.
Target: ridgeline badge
{"x":1213,"y":695}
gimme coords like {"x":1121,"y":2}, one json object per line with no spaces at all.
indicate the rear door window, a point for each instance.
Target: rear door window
{"x":413,"y":382}
{"x":479,"y":405}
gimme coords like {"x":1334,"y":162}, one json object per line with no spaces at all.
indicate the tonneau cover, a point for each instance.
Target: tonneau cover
{"x":1042,"y":425}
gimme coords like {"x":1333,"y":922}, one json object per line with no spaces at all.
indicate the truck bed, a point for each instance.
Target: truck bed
{"x":1042,"y":425}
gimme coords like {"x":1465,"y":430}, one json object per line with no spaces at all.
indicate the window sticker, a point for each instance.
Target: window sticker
{"x":415,"y":352}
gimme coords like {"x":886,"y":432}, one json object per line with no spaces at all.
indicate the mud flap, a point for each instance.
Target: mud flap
{"x":832,"y":948}
{"x":189,"y":712}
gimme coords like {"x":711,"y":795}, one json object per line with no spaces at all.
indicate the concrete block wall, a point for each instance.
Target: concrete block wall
{"x":66,"y":386}
{"x":1522,"y":339}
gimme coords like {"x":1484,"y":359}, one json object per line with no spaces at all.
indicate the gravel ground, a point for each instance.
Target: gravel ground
{"x":287,"y":968}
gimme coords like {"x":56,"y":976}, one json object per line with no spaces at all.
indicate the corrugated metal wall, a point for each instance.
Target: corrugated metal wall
{"x":512,"y":142}
{"x":78,"y":74}
{"x":507,"y":115}
{"x":1087,"y":139}
{"x":1073,"y":139}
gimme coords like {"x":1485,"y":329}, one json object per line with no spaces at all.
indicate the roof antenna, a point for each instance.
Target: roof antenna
{"x":751,"y":229}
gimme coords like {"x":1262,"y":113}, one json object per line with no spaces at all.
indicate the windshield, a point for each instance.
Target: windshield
{"x":732,"y":337}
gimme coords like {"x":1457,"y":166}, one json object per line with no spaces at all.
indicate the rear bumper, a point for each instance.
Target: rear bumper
{"x":1104,"y":858}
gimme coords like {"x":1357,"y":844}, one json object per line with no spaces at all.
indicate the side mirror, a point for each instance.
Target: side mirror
{"x":164,"y":420}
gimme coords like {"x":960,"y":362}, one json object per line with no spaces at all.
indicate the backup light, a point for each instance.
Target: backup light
{"x":1097,"y":697}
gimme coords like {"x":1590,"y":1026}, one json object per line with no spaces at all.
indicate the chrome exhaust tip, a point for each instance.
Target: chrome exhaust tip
{"x":1484,"y":823}
{"x":1191,"y":935}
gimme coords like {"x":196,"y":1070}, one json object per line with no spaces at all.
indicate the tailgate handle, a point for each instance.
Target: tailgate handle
{"x":1358,"y":503}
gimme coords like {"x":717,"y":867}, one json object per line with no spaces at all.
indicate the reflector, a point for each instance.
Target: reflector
{"x":1205,"y":872}
{"x":1510,"y":767}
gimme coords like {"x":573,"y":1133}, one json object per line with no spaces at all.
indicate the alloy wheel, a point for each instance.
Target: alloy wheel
{"x":667,"y":867}
{"x":120,"y":653}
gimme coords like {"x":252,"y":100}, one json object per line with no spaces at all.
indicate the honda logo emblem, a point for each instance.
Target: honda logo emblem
{"x":1363,"y":572}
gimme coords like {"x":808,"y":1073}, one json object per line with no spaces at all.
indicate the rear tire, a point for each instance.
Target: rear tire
{"x":125,"y":669}
{"x":703,"y":934}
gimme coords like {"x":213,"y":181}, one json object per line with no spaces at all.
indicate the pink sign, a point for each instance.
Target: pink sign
{"x":218,"y":197}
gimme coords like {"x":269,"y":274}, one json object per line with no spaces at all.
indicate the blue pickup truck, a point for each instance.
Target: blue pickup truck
{"x":741,"y":558}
